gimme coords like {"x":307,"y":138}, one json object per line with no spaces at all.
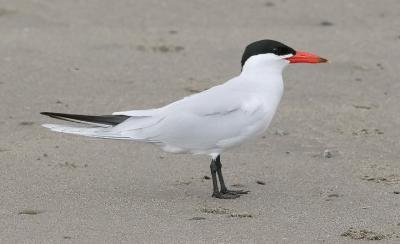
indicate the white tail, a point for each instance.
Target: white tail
{"x":98,"y":132}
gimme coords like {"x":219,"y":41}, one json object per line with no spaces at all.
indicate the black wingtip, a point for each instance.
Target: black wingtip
{"x":80,"y":118}
{"x":53,"y":115}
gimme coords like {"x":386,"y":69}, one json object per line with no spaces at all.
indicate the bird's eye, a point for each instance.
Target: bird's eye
{"x":275,"y":50}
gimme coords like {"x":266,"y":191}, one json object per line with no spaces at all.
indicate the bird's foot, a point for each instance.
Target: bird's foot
{"x":229,"y":194}
{"x":222,"y":195}
{"x":234,"y":192}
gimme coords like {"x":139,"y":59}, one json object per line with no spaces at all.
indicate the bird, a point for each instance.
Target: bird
{"x":209,"y":122}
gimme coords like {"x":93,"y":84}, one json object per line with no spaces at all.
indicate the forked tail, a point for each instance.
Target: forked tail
{"x":100,"y":126}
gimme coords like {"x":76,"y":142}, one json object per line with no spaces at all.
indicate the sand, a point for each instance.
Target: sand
{"x":329,"y":161}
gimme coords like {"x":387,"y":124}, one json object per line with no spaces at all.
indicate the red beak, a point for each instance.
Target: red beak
{"x":304,"y":57}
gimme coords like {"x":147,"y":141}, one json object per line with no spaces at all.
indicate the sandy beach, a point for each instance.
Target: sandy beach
{"x":326,"y":171}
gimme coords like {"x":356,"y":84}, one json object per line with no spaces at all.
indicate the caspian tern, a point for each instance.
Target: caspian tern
{"x":208,"y":122}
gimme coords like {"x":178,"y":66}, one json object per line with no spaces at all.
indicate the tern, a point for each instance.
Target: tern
{"x":209,"y":122}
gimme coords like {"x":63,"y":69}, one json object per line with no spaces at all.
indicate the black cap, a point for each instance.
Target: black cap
{"x":266,"y":46}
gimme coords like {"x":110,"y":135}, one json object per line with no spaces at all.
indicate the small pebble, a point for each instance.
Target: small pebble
{"x":30,"y":212}
{"x":197,"y":218}
{"x":362,"y":107}
{"x":328,"y":153}
{"x":206,"y":177}
{"x":260,"y":182}
{"x":26,"y":123}
{"x":162,"y":48}
{"x":326,"y":23}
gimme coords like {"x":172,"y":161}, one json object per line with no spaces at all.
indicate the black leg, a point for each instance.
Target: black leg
{"x":221,"y":179}
{"x":216,"y":192}
{"x":213,"y":169}
{"x":219,"y":172}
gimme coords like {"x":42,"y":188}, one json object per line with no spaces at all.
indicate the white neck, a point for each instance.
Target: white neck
{"x":263,"y":74}
{"x":268,"y":64}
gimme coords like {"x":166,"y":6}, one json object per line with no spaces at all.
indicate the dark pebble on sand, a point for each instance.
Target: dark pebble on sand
{"x":329,"y":153}
{"x":362,"y":107}
{"x":326,"y":23}
{"x":380,"y":66}
{"x":260,"y":182}
{"x":197,"y":218}
{"x":29,"y":212}
{"x":206,"y":177}
{"x":26,"y":123}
